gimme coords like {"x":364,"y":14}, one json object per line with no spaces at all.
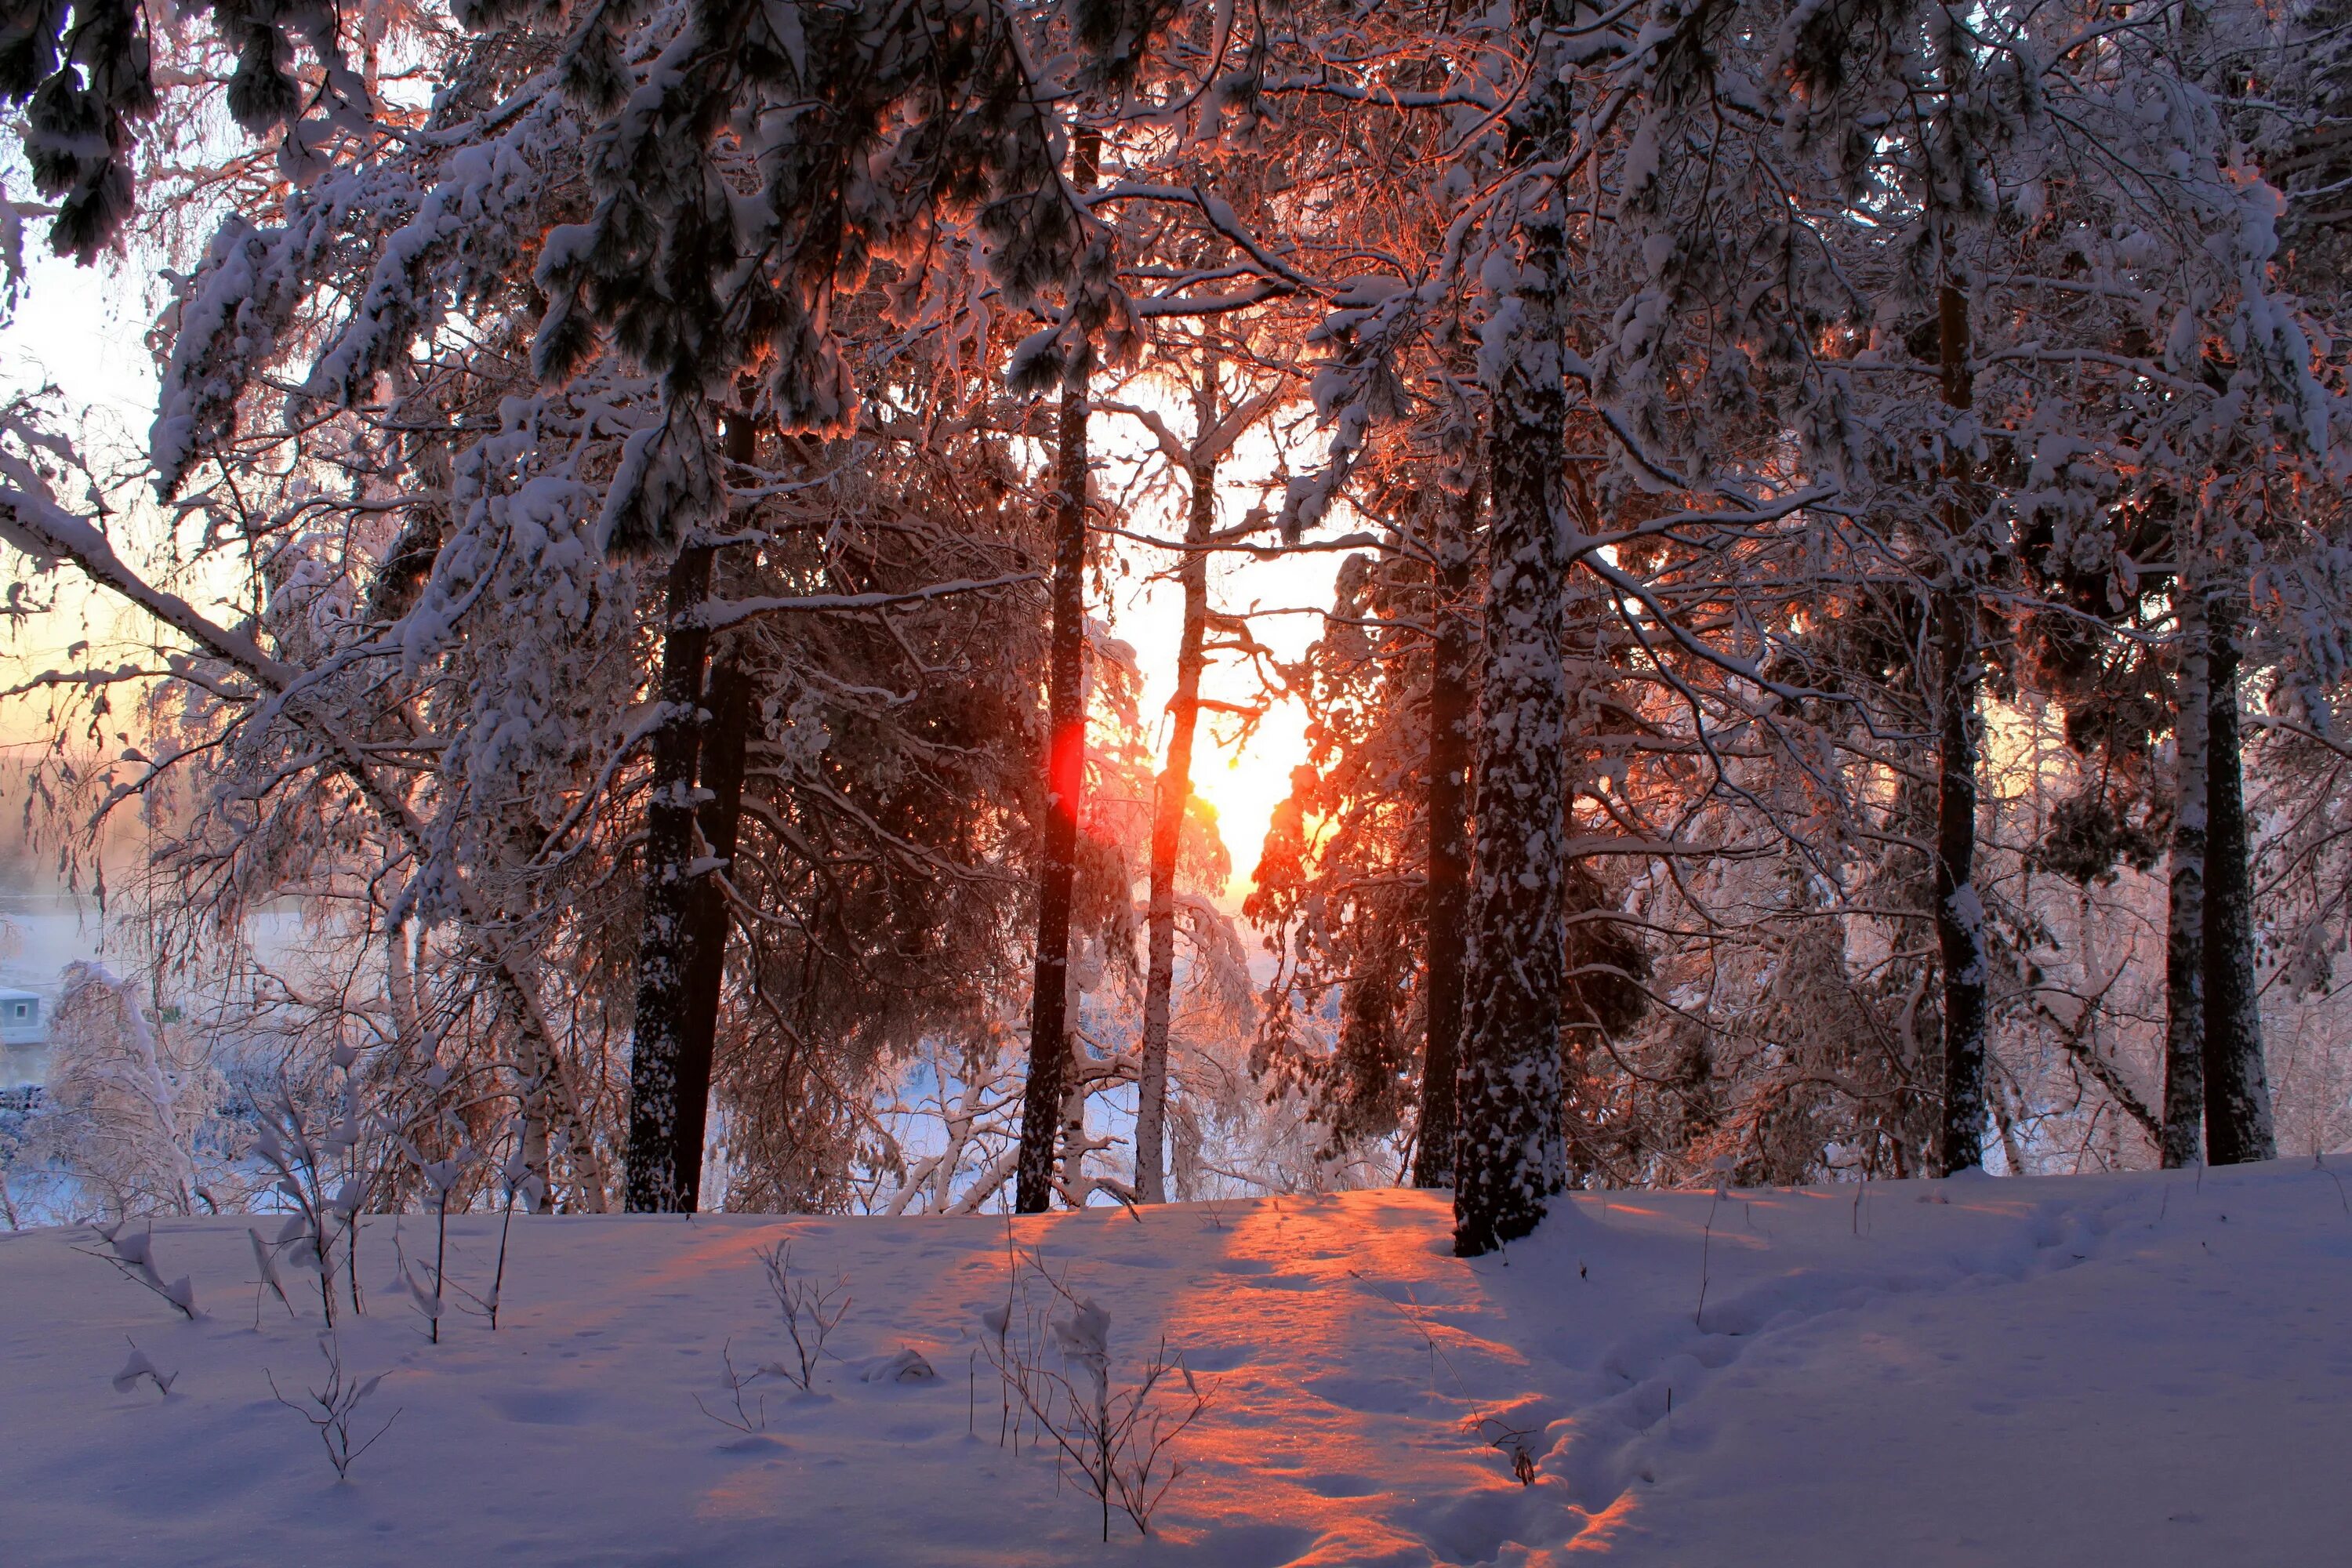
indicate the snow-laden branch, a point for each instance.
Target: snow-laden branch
{"x":716,"y":614}
{"x":37,"y":526}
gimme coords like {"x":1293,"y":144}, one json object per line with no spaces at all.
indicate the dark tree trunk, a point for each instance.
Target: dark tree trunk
{"x":656,"y":1181}
{"x":2237,"y":1085}
{"x":1510,"y":1153}
{"x":2184,"y":945}
{"x":1175,"y":795}
{"x":1049,"y":1044}
{"x":727,"y":716}
{"x":1447,"y":908}
{"x":1959,"y":910}
{"x":717,"y":814}
{"x":1066,"y":772}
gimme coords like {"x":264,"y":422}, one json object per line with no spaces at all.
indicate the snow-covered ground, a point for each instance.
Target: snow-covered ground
{"x":2131,"y":1370}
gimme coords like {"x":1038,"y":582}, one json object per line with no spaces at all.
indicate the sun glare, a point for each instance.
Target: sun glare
{"x":1242,"y":774}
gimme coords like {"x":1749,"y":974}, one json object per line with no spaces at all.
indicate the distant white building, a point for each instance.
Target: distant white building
{"x":24,"y":1020}
{"x":24,"y":1047}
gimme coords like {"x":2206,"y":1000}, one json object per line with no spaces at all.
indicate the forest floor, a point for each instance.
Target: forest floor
{"x":2070,"y":1371}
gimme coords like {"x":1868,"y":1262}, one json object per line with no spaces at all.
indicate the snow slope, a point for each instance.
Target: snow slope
{"x":2144,"y":1369}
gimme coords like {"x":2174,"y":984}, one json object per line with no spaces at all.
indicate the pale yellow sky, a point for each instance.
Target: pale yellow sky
{"x":83,"y":331}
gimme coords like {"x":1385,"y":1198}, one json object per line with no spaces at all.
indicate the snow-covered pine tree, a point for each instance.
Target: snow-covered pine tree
{"x":2109,"y":223}
{"x":1921,"y":155}
{"x":1655,"y":307}
{"x":1510,"y":1150}
{"x":86,"y":73}
{"x":757,"y":163}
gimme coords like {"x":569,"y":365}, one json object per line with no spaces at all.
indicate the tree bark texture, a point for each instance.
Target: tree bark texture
{"x":697,"y":793}
{"x":2238,"y":1125}
{"x":1175,"y":795}
{"x":726,"y":716}
{"x":534,"y":1065}
{"x":1447,"y":903}
{"x":655,"y":1182}
{"x":1049,"y":1041}
{"x":2184,"y":944}
{"x":1510,"y":1154}
{"x":717,"y":812}
{"x":1959,"y":909}
{"x":1065,"y":764}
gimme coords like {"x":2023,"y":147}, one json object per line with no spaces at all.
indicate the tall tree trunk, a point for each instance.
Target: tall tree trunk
{"x":2184,"y":944}
{"x":1065,"y":766}
{"x":1175,"y":795}
{"x":2237,"y":1085}
{"x":681,"y":943}
{"x":1510,"y":1154}
{"x":1959,"y":910}
{"x":1448,"y":892}
{"x":709,"y":924}
{"x":726,"y":718}
{"x":658,"y":1182}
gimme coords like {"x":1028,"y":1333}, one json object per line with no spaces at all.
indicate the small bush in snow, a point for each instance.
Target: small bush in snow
{"x":516,"y":1182}
{"x":440,"y":1176}
{"x":134,"y":1258}
{"x":139,"y":1366}
{"x":811,"y":1313}
{"x":317,"y":1174}
{"x":1120,"y":1440}
{"x":330,"y":1408}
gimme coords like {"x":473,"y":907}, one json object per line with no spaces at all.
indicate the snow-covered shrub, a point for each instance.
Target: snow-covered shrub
{"x":133,"y":1255}
{"x":811,"y":1311}
{"x":1051,"y":1350}
{"x":440,"y":1176}
{"x":133,"y":1114}
{"x":330,"y":1407}
{"x":317,"y":1178}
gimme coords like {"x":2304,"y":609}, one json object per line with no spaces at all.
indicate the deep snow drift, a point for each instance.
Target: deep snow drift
{"x":2143,"y":1370}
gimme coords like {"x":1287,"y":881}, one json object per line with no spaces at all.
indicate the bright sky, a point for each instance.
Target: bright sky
{"x":1244,"y":780}
{"x":83,"y":331}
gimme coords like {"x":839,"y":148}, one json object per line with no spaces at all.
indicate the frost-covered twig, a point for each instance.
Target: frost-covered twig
{"x":1706,"y":1245}
{"x":519,"y":1181}
{"x":811,"y":1313}
{"x":746,"y":1421}
{"x":440,"y":1176}
{"x":1120,"y":1441}
{"x":329,"y":1409}
{"x":139,"y":1366}
{"x":134,"y":1258}
{"x":267,"y":1264}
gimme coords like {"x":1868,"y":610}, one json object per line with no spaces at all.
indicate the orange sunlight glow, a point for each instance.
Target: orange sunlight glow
{"x":1244,"y":776}
{"x":87,"y":340}
{"x":1324,"y":1278}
